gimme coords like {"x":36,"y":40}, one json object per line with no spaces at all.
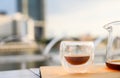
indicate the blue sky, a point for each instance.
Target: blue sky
{"x":78,"y":17}
{"x":63,"y":6}
{"x":74,"y":17}
{"x":8,"y":5}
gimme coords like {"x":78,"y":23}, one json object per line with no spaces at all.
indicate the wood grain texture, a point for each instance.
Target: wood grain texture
{"x":95,"y":71}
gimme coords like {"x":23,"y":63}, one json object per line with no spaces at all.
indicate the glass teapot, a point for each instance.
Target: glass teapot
{"x":113,"y":45}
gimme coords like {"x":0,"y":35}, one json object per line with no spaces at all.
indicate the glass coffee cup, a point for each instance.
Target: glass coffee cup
{"x":76,"y":56}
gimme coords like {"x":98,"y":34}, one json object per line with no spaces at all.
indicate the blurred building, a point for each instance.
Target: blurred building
{"x":5,"y":26}
{"x":23,"y":27}
{"x":17,"y":27}
{"x":35,"y":10}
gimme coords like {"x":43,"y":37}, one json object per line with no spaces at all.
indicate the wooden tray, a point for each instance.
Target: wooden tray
{"x":96,"y":71}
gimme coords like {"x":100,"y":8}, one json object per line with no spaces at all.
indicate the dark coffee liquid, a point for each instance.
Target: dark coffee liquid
{"x":114,"y":64}
{"x":77,"y":60}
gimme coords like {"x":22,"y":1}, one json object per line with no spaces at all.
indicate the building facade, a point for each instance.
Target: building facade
{"x":35,"y":10}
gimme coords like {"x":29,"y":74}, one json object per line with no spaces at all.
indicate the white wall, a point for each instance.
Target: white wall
{"x":5,"y":26}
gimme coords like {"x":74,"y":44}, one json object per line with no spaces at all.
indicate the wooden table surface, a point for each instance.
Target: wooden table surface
{"x":96,"y":71}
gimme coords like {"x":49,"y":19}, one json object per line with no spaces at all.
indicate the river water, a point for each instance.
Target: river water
{"x":54,"y":60}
